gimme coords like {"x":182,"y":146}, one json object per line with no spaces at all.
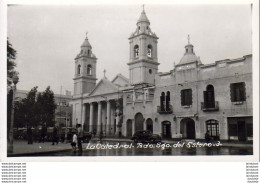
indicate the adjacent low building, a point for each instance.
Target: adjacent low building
{"x":191,"y":99}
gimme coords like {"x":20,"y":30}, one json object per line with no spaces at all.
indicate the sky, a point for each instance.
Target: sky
{"x":48,"y":38}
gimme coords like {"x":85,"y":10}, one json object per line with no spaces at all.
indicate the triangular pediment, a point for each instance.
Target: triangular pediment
{"x":120,"y":80}
{"x":103,"y":87}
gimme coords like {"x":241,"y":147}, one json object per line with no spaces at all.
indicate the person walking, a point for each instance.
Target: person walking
{"x":43,"y":133}
{"x":207,"y":137}
{"x":80,"y":137}
{"x":29,"y":135}
{"x":100,"y":136}
{"x":94,"y":132}
{"x":74,"y":141}
{"x":54,"y":135}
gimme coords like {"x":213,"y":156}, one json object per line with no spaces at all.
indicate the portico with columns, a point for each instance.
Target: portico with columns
{"x":102,"y":115}
{"x":101,"y":111}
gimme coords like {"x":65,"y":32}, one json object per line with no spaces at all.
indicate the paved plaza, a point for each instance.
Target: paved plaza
{"x":22,"y":148}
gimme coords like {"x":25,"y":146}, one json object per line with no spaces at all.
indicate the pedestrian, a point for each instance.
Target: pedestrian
{"x":94,"y":132}
{"x":43,"y":133}
{"x":207,"y":137}
{"x":54,"y":135}
{"x":74,"y":141}
{"x":101,"y":135}
{"x":29,"y":135}
{"x":80,"y":136}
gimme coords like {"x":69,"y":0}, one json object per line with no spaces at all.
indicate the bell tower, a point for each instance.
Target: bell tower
{"x":143,"y":63}
{"x":85,"y":69}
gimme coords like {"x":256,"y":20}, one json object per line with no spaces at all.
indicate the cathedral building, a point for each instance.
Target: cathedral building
{"x":191,"y":99}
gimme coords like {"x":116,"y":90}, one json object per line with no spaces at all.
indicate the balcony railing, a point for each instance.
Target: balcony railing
{"x":169,"y":111}
{"x":208,"y":108}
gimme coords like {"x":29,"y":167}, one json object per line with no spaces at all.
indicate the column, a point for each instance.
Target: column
{"x":99,"y":118}
{"x":108,"y":131}
{"x":83,"y":121}
{"x":117,"y":121}
{"x":91,"y":118}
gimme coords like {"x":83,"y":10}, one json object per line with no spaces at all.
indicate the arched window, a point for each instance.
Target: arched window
{"x":149,"y":51}
{"x":88,"y":52}
{"x":209,"y":97}
{"x":212,"y":127}
{"x":149,"y":124}
{"x":168,"y":98}
{"x":89,"y":70}
{"x":162,"y":101}
{"x":136,"y":51}
{"x":79,"y":66}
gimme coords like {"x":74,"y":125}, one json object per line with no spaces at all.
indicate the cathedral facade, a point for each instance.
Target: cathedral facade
{"x":191,"y":99}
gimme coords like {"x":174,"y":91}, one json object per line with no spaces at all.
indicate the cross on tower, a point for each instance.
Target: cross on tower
{"x":143,"y":7}
{"x":104,"y":73}
{"x":188,"y":39}
{"x":87,"y":34}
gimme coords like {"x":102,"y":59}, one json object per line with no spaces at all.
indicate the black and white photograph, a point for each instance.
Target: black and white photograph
{"x":131,"y":80}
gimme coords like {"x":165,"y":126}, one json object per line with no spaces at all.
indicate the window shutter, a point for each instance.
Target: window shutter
{"x":182,"y":97}
{"x":232,"y":93}
{"x":189,"y":97}
{"x":205,"y":94}
{"x":168,"y":101}
{"x":243,"y":92}
{"x":162,"y":99}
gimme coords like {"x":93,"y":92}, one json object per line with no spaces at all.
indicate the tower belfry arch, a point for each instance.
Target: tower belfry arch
{"x":143,"y":64}
{"x":85,"y":69}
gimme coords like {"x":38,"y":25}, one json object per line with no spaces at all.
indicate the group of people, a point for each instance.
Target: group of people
{"x":42,"y":135}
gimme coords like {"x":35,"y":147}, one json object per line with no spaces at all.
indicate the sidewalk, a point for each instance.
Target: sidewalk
{"x":22,"y":148}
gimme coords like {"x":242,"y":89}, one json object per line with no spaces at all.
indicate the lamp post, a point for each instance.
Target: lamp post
{"x":15,"y":80}
{"x":66,"y":119}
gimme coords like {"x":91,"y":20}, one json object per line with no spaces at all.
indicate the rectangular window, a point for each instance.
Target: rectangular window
{"x":238,"y":92}
{"x":186,"y":97}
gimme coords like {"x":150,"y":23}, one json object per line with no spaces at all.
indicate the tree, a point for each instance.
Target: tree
{"x":46,"y":107}
{"x":25,"y":111}
{"x":36,"y":109}
{"x":11,"y":56}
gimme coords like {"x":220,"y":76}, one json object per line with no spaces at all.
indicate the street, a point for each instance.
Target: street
{"x":108,"y":148}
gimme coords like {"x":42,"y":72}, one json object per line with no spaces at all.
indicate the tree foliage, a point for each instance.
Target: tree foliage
{"x":46,"y":106}
{"x":11,"y":56}
{"x":36,"y":109}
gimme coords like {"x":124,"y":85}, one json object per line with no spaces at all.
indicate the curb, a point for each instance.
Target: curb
{"x":33,"y":153}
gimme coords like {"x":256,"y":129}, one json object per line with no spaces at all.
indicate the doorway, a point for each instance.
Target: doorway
{"x":149,"y":124}
{"x":139,"y":122}
{"x":241,"y":130}
{"x":187,"y":128}
{"x":166,"y":129}
{"x":129,"y":131}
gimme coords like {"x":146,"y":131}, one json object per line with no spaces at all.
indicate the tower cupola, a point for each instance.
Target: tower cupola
{"x":189,"y":54}
{"x":85,"y":69}
{"x":143,"y":63}
{"x":86,"y":48}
